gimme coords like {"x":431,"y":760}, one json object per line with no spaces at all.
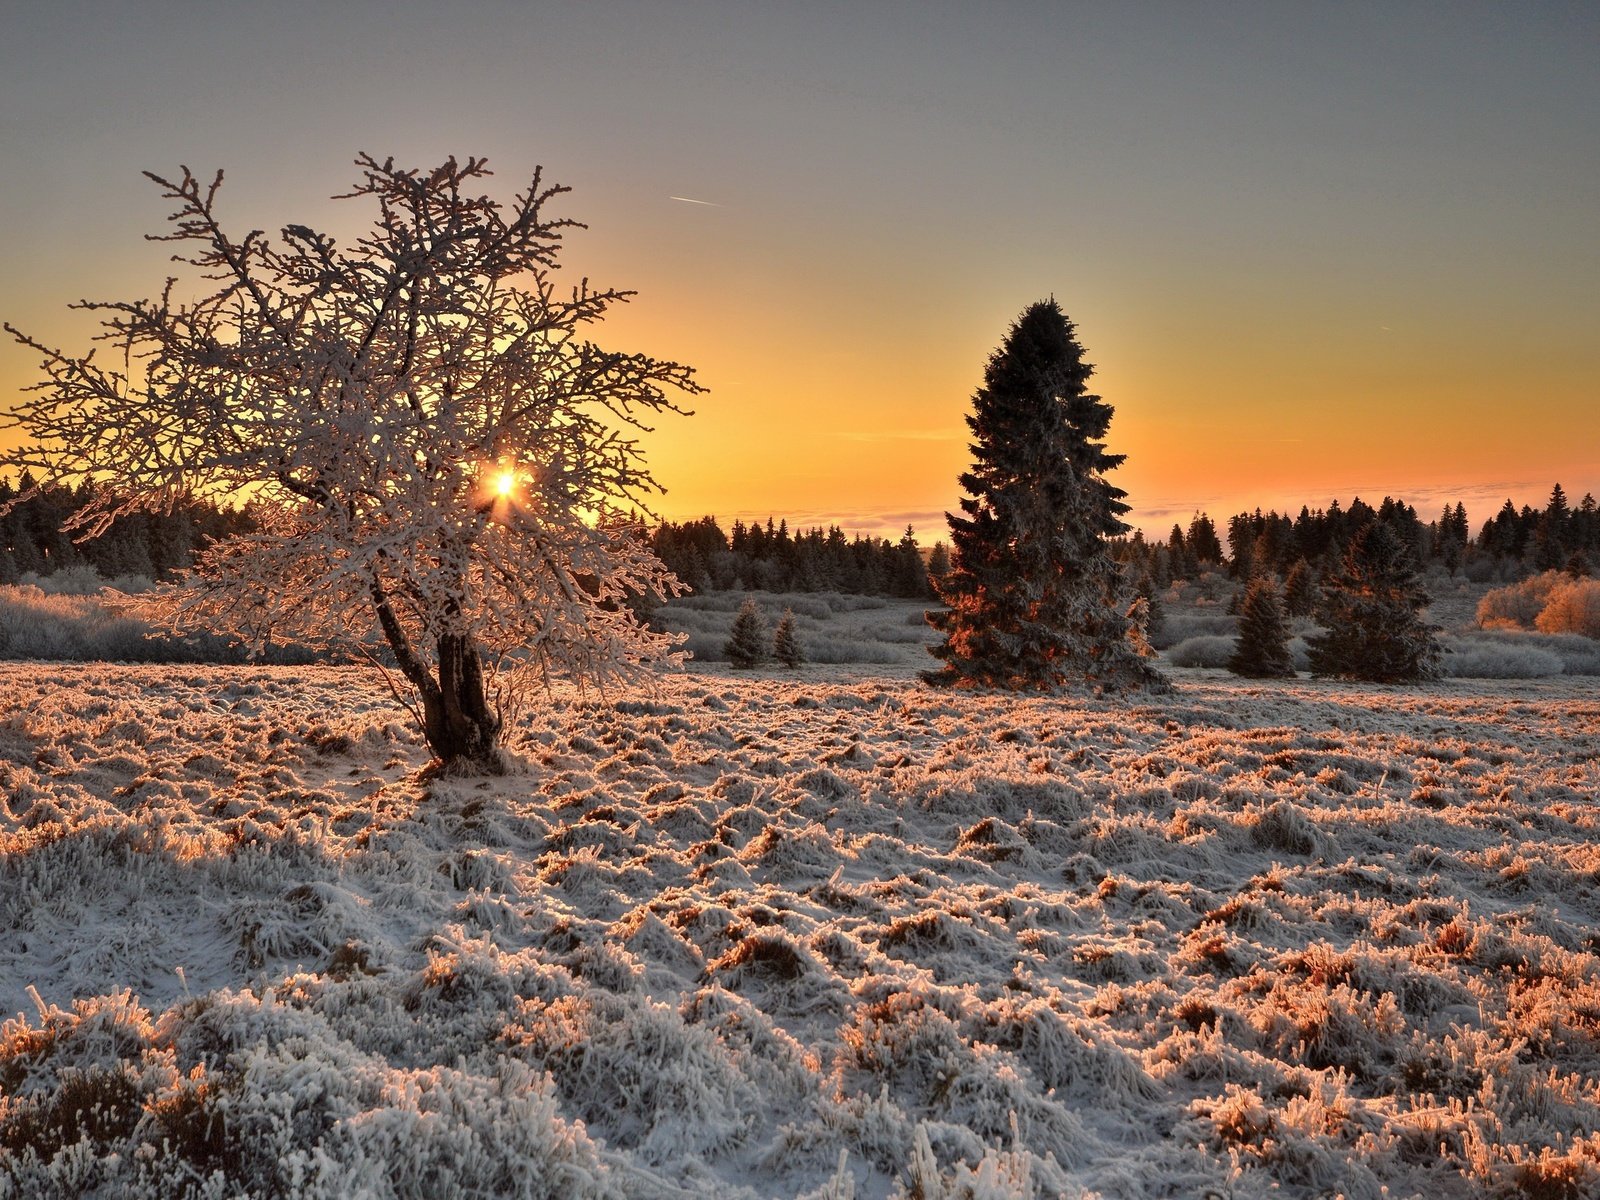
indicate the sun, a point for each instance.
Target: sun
{"x":505,"y":483}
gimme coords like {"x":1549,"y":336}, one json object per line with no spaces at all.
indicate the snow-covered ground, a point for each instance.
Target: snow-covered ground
{"x":823,"y":934}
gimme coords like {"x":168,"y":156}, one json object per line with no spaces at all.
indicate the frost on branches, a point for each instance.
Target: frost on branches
{"x":439,"y":461}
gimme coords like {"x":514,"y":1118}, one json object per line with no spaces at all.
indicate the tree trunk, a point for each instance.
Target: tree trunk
{"x":458,"y":721}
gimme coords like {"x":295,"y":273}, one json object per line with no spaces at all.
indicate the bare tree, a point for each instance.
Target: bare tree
{"x":439,"y":461}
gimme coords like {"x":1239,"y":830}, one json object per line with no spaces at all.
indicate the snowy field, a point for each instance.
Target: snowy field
{"x":831,"y":934}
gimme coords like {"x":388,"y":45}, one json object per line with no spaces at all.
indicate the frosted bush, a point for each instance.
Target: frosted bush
{"x":1518,"y":603}
{"x":71,"y":581}
{"x":1516,"y":650}
{"x":1479,"y":658}
{"x":1573,"y":607}
{"x":1203,"y":651}
{"x":1180,"y":627}
{"x":36,"y":623}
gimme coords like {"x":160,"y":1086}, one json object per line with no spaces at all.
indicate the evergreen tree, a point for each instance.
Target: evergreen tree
{"x":1034,"y":590}
{"x":1184,"y":565}
{"x":1262,"y":651}
{"x":938,"y":563}
{"x":1202,"y":541}
{"x":1155,"y":614}
{"x":1300,"y":590}
{"x":1450,"y":540}
{"x":746,"y":646}
{"x":910,"y":576}
{"x":786,"y":642}
{"x":1372,"y":611}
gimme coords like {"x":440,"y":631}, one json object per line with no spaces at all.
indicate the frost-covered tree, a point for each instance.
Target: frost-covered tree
{"x":1036,"y":600}
{"x":1262,"y":651}
{"x":1372,"y":613}
{"x":786,"y":642}
{"x":439,"y":460}
{"x":746,"y":646}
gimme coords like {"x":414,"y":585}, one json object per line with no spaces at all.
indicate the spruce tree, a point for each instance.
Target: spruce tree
{"x":786,"y":642}
{"x":1203,"y":543}
{"x":1372,"y":611}
{"x":1034,"y":594}
{"x":1300,"y":590}
{"x":1262,"y":651}
{"x":746,"y":646}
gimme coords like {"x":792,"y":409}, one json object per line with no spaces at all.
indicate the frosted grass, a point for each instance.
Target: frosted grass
{"x":746,"y":936}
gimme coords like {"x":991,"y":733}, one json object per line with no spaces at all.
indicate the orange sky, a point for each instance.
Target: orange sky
{"x":1314,"y":252}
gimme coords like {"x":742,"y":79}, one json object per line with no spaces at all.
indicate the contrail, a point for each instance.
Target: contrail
{"x":692,"y":200}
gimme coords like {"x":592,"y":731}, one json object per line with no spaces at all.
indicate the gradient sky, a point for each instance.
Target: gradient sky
{"x":1315,"y":250}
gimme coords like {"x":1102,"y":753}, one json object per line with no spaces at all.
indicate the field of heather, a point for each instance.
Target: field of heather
{"x":824,"y":934}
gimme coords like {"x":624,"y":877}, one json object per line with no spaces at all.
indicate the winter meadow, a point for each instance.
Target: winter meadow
{"x":392,"y":806}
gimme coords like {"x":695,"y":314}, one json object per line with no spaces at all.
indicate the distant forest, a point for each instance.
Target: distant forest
{"x":144,"y":546}
{"x":1511,"y":545}
{"x":771,"y":559}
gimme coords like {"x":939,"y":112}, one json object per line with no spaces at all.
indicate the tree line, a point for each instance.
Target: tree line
{"x":772,"y":559}
{"x":1510,"y":545}
{"x":35,"y":536}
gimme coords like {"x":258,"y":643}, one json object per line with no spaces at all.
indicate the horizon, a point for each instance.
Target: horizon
{"x":1482,"y":502}
{"x":1313,"y":254}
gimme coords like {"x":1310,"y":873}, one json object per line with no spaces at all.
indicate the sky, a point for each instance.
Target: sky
{"x":1314,"y":250}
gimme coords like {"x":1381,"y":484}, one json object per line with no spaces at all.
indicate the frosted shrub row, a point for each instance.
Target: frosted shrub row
{"x":70,"y":626}
{"x":1487,"y":655}
{"x":1551,"y":603}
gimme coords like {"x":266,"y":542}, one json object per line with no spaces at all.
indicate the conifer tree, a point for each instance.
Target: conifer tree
{"x":1300,"y":590}
{"x":746,"y":646}
{"x":938,"y":563}
{"x":1034,"y":594}
{"x":1202,"y":541}
{"x":786,"y":642}
{"x":1262,"y":651}
{"x":1155,"y":612}
{"x":1372,"y":613}
{"x":910,"y":577}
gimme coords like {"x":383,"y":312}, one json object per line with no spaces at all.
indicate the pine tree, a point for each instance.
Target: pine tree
{"x":1034,"y":593}
{"x":746,"y":646}
{"x":1262,"y":651}
{"x":1372,"y":611}
{"x":786,"y":642}
{"x":938,"y":563}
